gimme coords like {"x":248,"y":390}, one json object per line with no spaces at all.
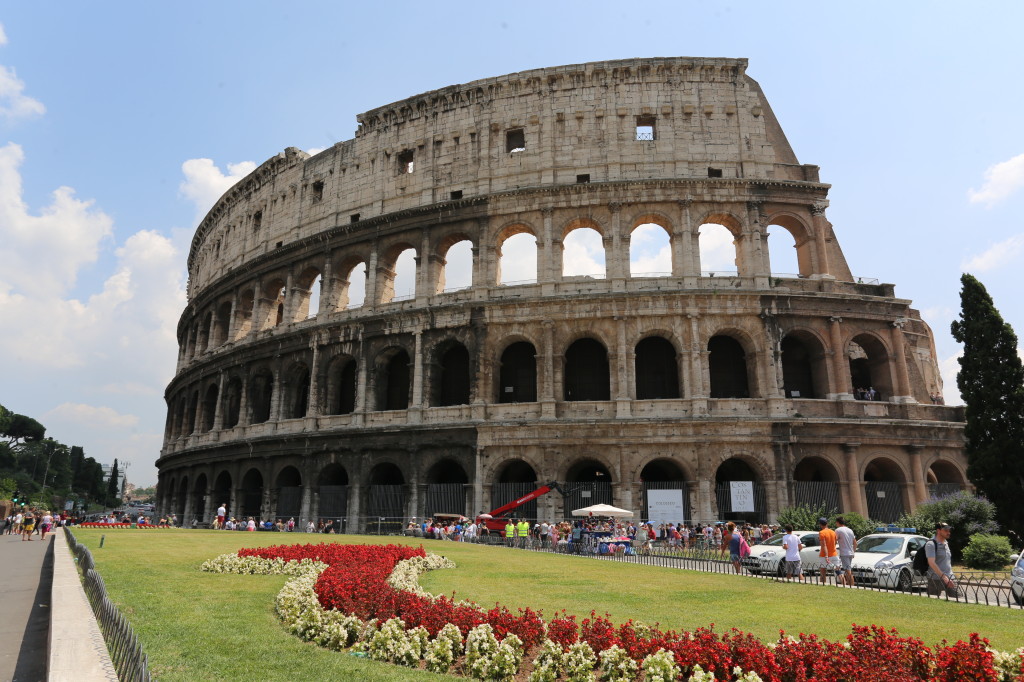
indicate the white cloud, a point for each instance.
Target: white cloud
{"x":313,"y":151}
{"x":3,"y":36}
{"x":583,"y":253}
{"x":995,"y":256}
{"x":717,"y":251}
{"x":205,"y":182}
{"x":14,"y":104}
{"x":91,"y":416}
{"x":948,"y":369}
{"x":1001,"y":180}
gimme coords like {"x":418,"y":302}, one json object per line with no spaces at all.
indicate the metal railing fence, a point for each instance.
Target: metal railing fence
{"x":125,"y":651}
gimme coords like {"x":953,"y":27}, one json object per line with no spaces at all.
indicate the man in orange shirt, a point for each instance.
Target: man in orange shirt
{"x":827,"y":552}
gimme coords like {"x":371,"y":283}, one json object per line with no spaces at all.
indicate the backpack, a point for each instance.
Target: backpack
{"x":744,"y":547}
{"x":921,"y":559}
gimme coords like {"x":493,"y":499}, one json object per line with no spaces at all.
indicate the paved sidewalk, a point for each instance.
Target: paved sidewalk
{"x":25,"y":592}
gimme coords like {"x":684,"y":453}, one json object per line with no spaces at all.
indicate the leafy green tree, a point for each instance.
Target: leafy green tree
{"x":21,"y":429}
{"x":805,"y":517}
{"x":991,"y":382}
{"x":968,"y":514}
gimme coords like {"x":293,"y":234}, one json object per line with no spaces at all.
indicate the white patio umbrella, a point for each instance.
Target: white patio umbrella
{"x":602,"y":510}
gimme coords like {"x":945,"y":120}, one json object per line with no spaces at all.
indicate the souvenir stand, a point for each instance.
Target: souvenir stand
{"x":604,"y":542}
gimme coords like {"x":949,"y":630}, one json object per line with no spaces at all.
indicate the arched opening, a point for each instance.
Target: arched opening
{"x":516,"y":478}
{"x":209,"y":409}
{"x":789,"y":247}
{"x":308,"y":287}
{"x":274,"y":295}
{"x":179,"y":507}
{"x":289,"y":494}
{"x":386,"y":497}
{"x":815,"y":480}
{"x":657,"y":372}
{"x":870,"y":373}
{"x":727,"y":364}
{"x":261,"y":390}
{"x":446,"y":488}
{"x":297,"y":392}
{"x":199,"y":501}
{"x":457,"y":273}
{"x":232,"y":402}
{"x":222,"y":494}
{"x":739,"y":493}
{"x":883,"y":488}
{"x":450,"y":381}
{"x":650,"y":251}
{"x":203,"y":335}
{"x":583,"y":253}
{"x":589,"y":483}
{"x":804,"y":374}
{"x":393,"y":385}
{"x":352,"y":290}
{"x":944,"y":479}
{"x":221,"y":323}
{"x":718,"y":254}
{"x":517,"y":378}
{"x":341,"y":385}
{"x":190,"y":412}
{"x":517,"y":258}
{"x":243,"y":314}
{"x":398,"y":276}
{"x":665,"y":492}
{"x":252,"y":495}
{"x":332,"y":487}
{"x":587,"y":374}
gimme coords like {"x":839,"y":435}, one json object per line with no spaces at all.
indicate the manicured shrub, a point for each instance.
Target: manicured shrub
{"x":805,"y":517}
{"x":987,"y":552}
{"x":968,"y":514}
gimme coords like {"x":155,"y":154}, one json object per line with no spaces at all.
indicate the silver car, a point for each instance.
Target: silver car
{"x":1017,"y":578}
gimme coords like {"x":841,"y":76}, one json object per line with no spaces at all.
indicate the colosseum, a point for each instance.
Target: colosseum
{"x":395,"y":327}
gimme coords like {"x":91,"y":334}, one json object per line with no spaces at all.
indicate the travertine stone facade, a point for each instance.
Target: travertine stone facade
{"x":458,"y":400}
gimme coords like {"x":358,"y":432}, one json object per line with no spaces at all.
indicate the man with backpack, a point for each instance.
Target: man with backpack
{"x":939,"y":562}
{"x":847,"y":542}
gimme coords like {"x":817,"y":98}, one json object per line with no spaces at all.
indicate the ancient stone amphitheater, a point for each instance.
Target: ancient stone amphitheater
{"x":308,"y":387}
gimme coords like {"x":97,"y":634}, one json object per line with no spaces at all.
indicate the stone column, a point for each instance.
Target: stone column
{"x":549,"y":257}
{"x":218,"y":410}
{"x":278,"y":384}
{"x":823,"y":269}
{"x":186,"y":518}
{"x":616,"y":250}
{"x":417,"y":371}
{"x":371,"y":298}
{"x":412,"y":506}
{"x":623,"y":391}
{"x":313,"y":399}
{"x":244,"y":416}
{"x":425,"y":259}
{"x":855,"y":487}
{"x":904,"y":394}
{"x":305,"y":506}
{"x":700,"y":389}
{"x":547,"y":394}
{"x":255,"y":323}
{"x":705,"y":485}
{"x":682,"y":243}
{"x":840,"y":367}
{"x":232,"y":320}
{"x":917,"y":477}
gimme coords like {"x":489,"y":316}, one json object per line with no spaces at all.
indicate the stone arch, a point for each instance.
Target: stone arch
{"x":261,"y":393}
{"x":804,"y":365}
{"x":588,"y":474}
{"x":332,"y":474}
{"x":275,"y":296}
{"x":243,"y":313}
{"x":199,"y":500}
{"x":517,"y":373}
{"x":341,"y":387}
{"x":252,"y":495}
{"x":516,"y":470}
{"x":518,"y":242}
{"x":288,"y":494}
{"x":656,"y":369}
{"x":190,"y":412}
{"x":802,"y":242}
{"x":455,"y":256}
{"x":664,"y":473}
{"x":393,"y":375}
{"x":583,"y":252}
{"x":450,"y":374}
{"x":718,"y":239}
{"x":650,"y":246}
{"x":221,"y":325}
{"x":385,"y":494}
{"x":232,"y":402}
{"x":446,"y":488}
{"x":885,"y":481}
{"x":209,"y":408}
{"x":222,"y":487}
{"x":350,"y":288}
{"x":180,"y":500}
{"x":870,"y":365}
{"x":296,"y":391}
{"x":587,"y":374}
{"x":307,"y":289}
{"x":731,"y":367}
{"x":203,"y":332}
{"x":391,"y":273}
{"x":944,"y":477}
{"x":514,"y":478}
{"x":816,"y":480}
{"x":741,"y":468}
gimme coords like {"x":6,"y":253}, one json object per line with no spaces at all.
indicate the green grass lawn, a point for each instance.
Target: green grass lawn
{"x":197,"y":625}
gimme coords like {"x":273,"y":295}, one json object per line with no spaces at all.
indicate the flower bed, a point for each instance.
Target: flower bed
{"x":368,"y":597}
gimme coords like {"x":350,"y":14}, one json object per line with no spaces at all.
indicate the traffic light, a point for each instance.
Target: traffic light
{"x":17,"y":494}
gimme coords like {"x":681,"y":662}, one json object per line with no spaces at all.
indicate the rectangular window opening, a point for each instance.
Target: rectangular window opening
{"x":582,"y":178}
{"x":257,"y":220}
{"x":354,"y":218}
{"x":279,"y":245}
{"x":318,"y":191}
{"x":406,"y":162}
{"x":645,"y":126}
{"x":456,"y":195}
{"x":714,"y":172}
{"x":515,"y":140}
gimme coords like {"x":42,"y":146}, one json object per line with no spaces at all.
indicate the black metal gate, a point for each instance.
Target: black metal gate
{"x":816,"y":493}
{"x":251,"y":499}
{"x":723,"y":495}
{"x":445,"y":498}
{"x":667,"y":485}
{"x":386,"y":501}
{"x":503,"y":493}
{"x":586,"y":494}
{"x":885,"y":501}
{"x":289,"y":502}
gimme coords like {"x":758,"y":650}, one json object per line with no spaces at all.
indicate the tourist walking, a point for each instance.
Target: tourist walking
{"x":827,"y":552}
{"x":940,"y":563}
{"x":847,"y":547}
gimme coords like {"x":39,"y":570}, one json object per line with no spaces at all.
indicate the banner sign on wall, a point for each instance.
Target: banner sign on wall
{"x":742,"y":496}
{"x":665,"y":506}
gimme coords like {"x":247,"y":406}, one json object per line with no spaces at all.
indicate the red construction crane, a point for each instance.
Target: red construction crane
{"x":498,"y":519}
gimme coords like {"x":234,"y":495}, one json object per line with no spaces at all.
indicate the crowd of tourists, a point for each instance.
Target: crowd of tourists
{"x":32,"y":521}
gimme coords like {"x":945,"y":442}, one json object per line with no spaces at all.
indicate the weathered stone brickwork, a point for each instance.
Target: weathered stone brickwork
{"x":458,"y":400}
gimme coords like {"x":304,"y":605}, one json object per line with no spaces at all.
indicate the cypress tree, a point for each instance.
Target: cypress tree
{"x":112,"y":489}
{"x":991,"y":382}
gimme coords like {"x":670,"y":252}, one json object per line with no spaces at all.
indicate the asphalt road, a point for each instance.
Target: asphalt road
{"x":25,"y":594}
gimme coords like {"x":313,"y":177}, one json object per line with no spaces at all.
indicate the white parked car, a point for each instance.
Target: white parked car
{"x":886,"y":560}
{"x":1017,"y":578}
{"x":769,"y":558}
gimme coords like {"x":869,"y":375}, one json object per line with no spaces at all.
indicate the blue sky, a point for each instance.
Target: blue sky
{"x":122,"y":122}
